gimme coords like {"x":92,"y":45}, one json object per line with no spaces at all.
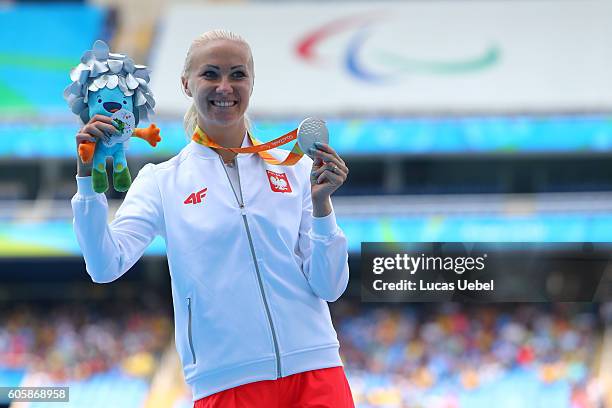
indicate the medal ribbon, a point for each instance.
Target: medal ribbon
{"x":260,"y":148}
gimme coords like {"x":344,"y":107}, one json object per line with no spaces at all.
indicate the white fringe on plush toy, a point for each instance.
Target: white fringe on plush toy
{"x":101,"y":68}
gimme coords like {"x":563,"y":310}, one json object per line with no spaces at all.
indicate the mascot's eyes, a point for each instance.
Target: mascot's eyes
{"x":99,"y":100}
{"x":125,"y":102}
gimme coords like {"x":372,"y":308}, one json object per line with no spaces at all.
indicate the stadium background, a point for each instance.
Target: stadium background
{"x":460,"y":121}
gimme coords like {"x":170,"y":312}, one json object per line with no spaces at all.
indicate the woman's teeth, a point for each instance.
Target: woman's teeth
{"x":224,"y":104}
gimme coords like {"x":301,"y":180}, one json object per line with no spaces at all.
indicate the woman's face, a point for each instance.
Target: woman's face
{"x":220,"y":81}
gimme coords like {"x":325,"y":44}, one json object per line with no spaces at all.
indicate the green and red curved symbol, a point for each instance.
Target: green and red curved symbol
{"x":360,"y":66}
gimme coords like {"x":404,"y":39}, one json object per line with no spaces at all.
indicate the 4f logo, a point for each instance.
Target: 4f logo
{"x":196,"y":198}
{"x":278,"y":182}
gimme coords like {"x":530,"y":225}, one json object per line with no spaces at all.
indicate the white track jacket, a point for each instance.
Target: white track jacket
{"x":249,"y":282}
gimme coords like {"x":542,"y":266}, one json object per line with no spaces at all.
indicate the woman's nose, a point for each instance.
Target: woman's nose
{"x":224,"y":86}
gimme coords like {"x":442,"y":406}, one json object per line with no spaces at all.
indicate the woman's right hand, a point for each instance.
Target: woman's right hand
{"x":88,"y":135}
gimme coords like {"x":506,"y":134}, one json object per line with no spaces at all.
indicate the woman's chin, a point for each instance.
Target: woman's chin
{"x":226,"y":120}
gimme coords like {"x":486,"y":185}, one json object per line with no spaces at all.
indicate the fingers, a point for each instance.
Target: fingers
{"x":333,"y":178}
{"x":330,"y":172}
{"x":327,"y":165}
{"x":332,"y":161}
{"x":330,"y":167}
{"x":84,"y":137}
{"x":98,"y":126}
{"x":325,"y":148}
{"x":98,"y":130}
{"x":327,"y":157}
{"x":101,"y":118}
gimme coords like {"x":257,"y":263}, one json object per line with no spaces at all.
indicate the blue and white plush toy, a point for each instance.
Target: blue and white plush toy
{"x":110,"y":84}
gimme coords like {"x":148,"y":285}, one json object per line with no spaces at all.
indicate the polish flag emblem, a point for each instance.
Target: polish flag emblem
{"x":278,"y":182}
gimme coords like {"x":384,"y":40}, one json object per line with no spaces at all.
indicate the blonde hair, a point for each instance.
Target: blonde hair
{"x":191,"y":116}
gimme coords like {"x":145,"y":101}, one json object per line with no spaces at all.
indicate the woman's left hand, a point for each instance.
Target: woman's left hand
{"x":328,"y":172}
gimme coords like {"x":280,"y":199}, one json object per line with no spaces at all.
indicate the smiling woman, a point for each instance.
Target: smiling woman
{"x":253,"y":247}
{"x":219,"y":76}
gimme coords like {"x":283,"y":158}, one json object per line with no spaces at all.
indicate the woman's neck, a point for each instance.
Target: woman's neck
{"x":226,"y":136}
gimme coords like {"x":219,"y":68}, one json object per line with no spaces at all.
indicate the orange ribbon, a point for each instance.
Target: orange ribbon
{"x":260,"y":148}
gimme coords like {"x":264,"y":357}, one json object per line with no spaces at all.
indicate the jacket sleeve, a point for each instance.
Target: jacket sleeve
{"x":324,"y":251}
{"x":112,"y":249}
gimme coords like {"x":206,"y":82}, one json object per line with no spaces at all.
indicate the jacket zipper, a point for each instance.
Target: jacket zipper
{"x":193,"y":356}
{"x":259,"y":280}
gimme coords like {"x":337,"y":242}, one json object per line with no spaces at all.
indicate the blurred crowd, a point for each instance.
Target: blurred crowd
{"x":454,"y":355}
{"x":435,"y":355}
{"x":74,"y":341}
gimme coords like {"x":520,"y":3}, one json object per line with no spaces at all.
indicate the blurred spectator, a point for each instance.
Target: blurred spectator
{"x":455,"y":355}
{"x":75,"y":342}
{"x":444,"y":355}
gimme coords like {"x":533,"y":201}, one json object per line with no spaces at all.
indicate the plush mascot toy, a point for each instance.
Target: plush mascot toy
{"x":110,"y":84}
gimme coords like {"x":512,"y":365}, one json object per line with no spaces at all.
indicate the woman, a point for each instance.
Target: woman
{"x":252,"y":264}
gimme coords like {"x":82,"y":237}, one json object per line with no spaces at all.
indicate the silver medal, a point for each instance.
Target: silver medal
{"x":311,"y":130}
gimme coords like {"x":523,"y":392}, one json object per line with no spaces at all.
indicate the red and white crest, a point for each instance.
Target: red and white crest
{"x":278,"y":182}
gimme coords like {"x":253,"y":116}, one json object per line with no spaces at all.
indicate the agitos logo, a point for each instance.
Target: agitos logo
{"x":374,"y":64}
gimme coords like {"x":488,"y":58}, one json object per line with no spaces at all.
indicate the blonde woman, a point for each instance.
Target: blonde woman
{"x":253,"y":249}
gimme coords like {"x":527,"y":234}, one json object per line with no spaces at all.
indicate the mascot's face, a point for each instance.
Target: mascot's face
{"x":108,"y":101}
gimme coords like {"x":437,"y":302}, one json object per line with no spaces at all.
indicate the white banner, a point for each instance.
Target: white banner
{"x":405,"y":58}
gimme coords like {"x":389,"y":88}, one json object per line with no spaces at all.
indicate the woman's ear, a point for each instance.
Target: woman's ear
{"x":185,"y":86}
